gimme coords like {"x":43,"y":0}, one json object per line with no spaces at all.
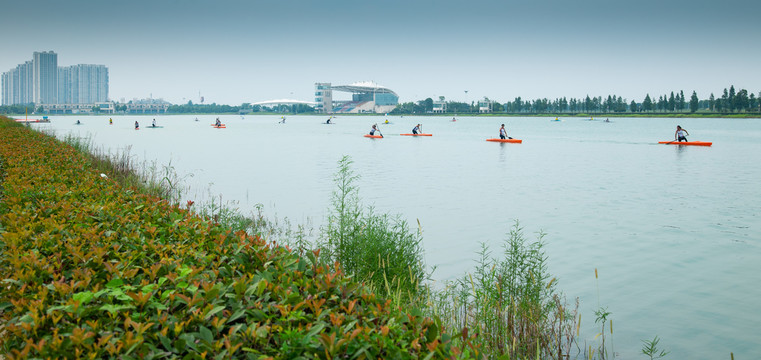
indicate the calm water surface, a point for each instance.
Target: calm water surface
{"x":674,"y":231}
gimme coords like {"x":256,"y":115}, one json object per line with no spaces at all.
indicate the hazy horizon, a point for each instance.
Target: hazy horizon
{"x":231,"y":52}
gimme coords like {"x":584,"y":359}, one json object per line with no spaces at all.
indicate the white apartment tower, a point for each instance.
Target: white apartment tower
{"x":82,"y":84}
{"x":45,"y":73}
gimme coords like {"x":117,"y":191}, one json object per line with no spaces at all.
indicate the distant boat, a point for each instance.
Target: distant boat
{"x":26,"y":119}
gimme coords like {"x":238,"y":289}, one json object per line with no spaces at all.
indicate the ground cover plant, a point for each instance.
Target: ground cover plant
{"x":90,"y":269}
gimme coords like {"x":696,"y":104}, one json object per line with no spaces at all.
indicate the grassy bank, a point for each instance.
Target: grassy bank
{"x":101,"y":261}
{"x":95,"y":270}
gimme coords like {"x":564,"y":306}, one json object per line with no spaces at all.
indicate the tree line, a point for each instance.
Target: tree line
{"x":730,"y":101}
{"x":243,"y":108}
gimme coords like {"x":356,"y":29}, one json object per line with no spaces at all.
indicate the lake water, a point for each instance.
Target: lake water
{"x":674,"y":231}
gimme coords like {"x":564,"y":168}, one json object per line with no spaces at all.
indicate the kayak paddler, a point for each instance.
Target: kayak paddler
{"x":374,"y":129}
{"x":503,"y":133}
{"x":680,"y":133}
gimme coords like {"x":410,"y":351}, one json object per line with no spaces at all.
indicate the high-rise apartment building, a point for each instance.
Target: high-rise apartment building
{"x":18,"y":85}
{"x":42,"y":82}
{"x":45,"y":66}
{"x":82,"y":84}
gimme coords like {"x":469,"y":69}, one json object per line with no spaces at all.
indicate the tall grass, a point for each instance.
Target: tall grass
{"x":507,"y":307}
{"x":377,"y":248}
{"x":298,"y":237}
{"x":161,"y":181}
{"x":164,"y":182}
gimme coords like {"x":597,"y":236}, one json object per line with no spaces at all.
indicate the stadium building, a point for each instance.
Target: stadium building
{"x":367,"y":97}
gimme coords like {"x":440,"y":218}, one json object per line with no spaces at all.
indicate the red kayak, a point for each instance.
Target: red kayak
{"x":373,"y":136}
{"x":421,"y":134}
{"x":696,"y":143}
{"x":514,"y":141}
{"x":219,"y":126}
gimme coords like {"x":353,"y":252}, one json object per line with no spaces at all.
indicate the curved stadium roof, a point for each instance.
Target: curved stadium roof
{"x":364,"y":87}
{"x":285,"y":102}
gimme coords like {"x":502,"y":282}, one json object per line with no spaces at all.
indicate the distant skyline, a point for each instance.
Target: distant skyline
{"x":233,"y":52}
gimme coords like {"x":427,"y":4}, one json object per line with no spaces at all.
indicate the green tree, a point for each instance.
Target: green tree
{"x":647,"y":104}
{"x":723,"y":104}
{"x":518,"y":104}
{"x":681,"y":102}
{"x":741,"y":100}
{"x":426,"y":104}
{"x":457,"y":107}
{"x":588,"y":105}
{"x":694,"y":102}
{"x":731,"y":99}
{"x":633,"y":106}
{"x":712,"y":102}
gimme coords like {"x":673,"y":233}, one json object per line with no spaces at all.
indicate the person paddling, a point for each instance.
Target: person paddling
{"x":417,"y":128}
{"x":374,"y":129}
{"x":154,"y":123}
{"x":503,"y":133}
{"x":680,"y":133}
{"x":137,"y":125}
{"x":218,"y":123}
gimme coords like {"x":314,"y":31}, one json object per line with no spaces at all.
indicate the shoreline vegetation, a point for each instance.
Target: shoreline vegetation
{"x":101,"y":260}
{"x":699,"y":114}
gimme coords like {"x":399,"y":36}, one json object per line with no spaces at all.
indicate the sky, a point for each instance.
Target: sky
{"x":236,"y":51}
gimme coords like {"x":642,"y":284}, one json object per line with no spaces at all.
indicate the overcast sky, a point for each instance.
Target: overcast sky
{"x":246,"y":51}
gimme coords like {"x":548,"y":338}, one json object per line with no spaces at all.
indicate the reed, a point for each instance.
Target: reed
{"x":149,"y":178}
{"x":377,"y":248}
{"x":650,"y":349}
{"x":508,"y":307}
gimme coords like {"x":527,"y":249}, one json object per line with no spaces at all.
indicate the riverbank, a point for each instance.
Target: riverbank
{"x":456,"y":115}
{"x":96,"y":270}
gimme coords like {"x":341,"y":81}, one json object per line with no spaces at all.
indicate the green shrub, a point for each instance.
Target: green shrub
{"x":376,"y":248}
{"x":508,"y":307}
